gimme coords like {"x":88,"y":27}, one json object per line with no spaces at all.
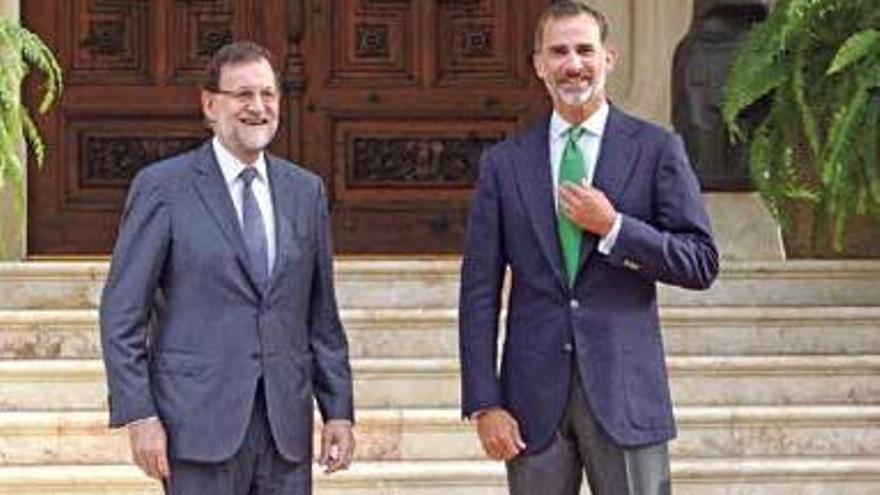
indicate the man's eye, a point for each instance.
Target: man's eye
{"x":559,"y":50}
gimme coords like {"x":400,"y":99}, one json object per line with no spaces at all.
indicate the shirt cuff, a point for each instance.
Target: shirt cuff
{"x":141,"y":421}
{"x":606,"y":243}
{"x":479,"y":412}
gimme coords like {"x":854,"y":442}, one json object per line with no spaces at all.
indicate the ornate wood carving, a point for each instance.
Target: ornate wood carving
{"x":197,"y":29}
{"x":293,"y":79}
{"x":109,"y":42}
{"x":373,"y":43}
{"x":109,"y":160}
{"x":478,"y":43}
{"x":212,"y":36}
{"x":105,"y":38}
{"x":475,"y":40}
{"x":415,"y":161}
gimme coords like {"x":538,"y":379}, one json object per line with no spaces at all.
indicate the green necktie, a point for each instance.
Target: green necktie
{"x":571,"y":169}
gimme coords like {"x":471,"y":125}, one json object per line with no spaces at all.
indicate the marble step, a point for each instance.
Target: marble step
{"x":38,"y":385}
{"x":776,"y":476}
{"x":432,"y":333}
{"x":432,"y":282}
{"x":30,"y":438}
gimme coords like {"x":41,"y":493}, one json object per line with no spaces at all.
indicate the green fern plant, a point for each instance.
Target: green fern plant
{"x":20,"y":49}
{"x":815,"y":64}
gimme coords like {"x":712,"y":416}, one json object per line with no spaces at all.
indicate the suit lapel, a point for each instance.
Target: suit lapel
{"x":533,"y":177}
{"x":211,"y":188}
{"x":615,"y":165}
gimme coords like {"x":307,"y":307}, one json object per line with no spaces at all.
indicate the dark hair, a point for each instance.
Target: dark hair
{"x":569,"y":8}
{"x":238,"y":52}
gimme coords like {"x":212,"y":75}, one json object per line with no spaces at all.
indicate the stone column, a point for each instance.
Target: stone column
{"x":9,"y":8}
{"x":646,"y":32}
{"x":13,"y":224}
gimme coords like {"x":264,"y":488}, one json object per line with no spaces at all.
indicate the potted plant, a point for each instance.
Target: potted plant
{"x":813,"y":69}
{"x":20,"y":49}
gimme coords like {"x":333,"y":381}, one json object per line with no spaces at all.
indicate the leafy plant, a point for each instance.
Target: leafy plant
{"x":20,"y":49}
{"x":816,"y":65}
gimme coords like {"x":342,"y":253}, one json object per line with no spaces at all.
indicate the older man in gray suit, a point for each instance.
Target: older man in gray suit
{"x":219,"y":323}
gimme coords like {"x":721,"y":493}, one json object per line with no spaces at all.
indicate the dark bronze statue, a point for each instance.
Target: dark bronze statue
{"x":702,"y":61}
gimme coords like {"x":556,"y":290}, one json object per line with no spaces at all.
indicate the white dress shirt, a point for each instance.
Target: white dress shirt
{"x":589,"y":144}
{"x":231,"y":167}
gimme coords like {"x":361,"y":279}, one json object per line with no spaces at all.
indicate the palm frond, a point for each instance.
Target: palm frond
{"x":818,"y":143}
{"x":757,"y":71}
{"x":869,"y":148}
{"x":21,"y":49}
{"x":32,"y":136}
{"x":856,"y":47}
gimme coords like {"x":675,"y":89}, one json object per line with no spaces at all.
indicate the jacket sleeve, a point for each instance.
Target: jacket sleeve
{"x":127,"y":300}
{"x":676,"y":246}
{"x":332,"y":371}
{"x":482,"y":277}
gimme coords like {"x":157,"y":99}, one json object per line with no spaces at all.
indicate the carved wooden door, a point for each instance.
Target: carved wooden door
{"x":391,"y":101}
{"x":402,"y":96}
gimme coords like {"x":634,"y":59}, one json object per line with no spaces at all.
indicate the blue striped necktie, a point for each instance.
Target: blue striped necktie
{"x":253,"y":228}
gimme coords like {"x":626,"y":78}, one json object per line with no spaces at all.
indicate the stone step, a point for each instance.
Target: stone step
{"x":776,"y":476}
{"x":39,"y":385}
{"x":29,"y":438}
{"x":432,"y":282}
{"x":432,"y":333}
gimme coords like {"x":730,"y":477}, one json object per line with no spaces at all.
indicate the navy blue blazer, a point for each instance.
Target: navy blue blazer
{"x":607,"y":324}
{"x":187,"y":332}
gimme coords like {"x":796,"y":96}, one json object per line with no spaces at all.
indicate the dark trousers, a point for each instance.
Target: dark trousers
{"x":256,"y":469}
{"x":580,"y":446}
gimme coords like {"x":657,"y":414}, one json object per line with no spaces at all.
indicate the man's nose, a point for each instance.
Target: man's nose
{"x":573,"y":62}
{"x":258,"y":103}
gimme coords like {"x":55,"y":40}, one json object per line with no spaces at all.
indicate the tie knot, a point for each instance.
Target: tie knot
{"x":575,"y":132}
{"x":248,"y":175}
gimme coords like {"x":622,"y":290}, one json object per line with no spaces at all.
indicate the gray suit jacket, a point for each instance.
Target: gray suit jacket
{"x":186,"y":332}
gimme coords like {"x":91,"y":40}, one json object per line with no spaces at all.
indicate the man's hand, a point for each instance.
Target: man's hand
{"x":337,"y":445}
{"x":499,"y":434}
{"x":587,"y":207}
{"x":149,"y":447}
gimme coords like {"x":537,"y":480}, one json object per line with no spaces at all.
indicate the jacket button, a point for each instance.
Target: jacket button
{"x":574,"y":304}
{"x":568,"y":347}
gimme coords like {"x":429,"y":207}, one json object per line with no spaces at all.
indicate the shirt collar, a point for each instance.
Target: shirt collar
{"x":232,"y":166}
{"x":594,"y":125}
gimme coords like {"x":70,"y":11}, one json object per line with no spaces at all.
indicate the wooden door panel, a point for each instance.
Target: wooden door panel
{"x":131,"y":73}
{"x":403,"y":97}
{"x":390,"y":101}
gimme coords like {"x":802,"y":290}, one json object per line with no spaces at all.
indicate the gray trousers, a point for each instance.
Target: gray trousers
{"x":256,"y":469}
{"x":580,"y":446}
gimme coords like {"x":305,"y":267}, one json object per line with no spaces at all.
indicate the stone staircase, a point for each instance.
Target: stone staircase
{"x":775,"y":375}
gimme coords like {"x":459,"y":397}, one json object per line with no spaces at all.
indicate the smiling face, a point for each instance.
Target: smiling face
{"x":243,"y":112}
{"x":574,"y":65}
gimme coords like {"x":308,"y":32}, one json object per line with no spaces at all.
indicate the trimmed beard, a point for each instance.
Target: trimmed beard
{"x":576,"y":98}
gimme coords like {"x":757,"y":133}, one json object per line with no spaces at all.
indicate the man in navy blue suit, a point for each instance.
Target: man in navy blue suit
{"x":588,"y":209}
